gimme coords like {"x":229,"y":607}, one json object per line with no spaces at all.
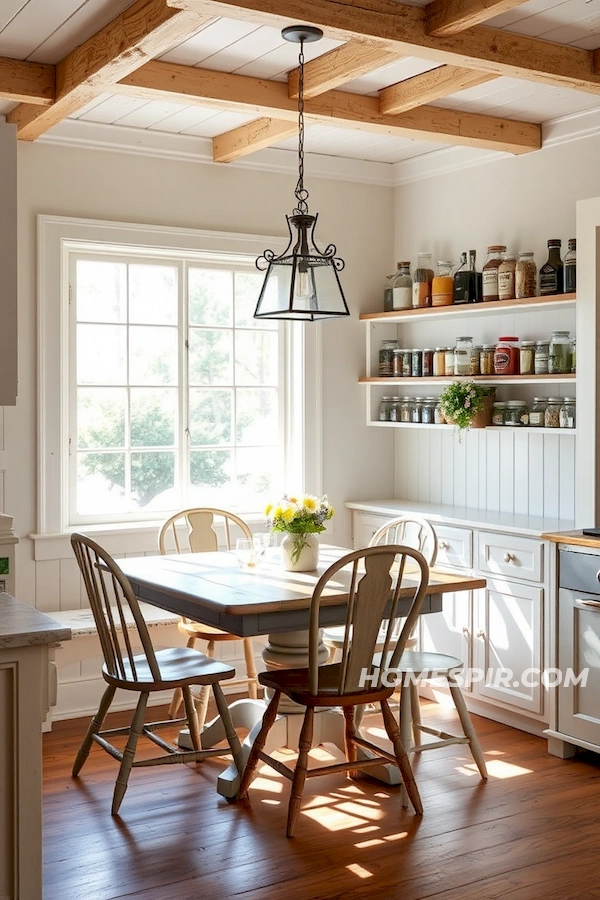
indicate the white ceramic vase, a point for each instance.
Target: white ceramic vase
{"x":299,"y":552}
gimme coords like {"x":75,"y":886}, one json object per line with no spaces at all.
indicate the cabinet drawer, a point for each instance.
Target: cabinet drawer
{"x":516,"y":557}
{"x":455,"y":547}
{"x":364,"y":527}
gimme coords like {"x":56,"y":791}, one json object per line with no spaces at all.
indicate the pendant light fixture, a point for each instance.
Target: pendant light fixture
{"x":303,"y":282}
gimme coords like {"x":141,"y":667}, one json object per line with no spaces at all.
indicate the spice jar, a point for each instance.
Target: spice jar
{"x":423,"y":277}
{"x":542,"y":349}
{"x":516,"y":413}
{"x":406,"y":363}
{"x":567,"y":413}
{"x":442,"y":286}
{"x":416,"y":406}
{"x":394,"y":415}
{"x":537,"y":413}
{"x":405,"y":409}
{"x":416,"y":368}
{"x":552,"y":414}
{"x":439,"y":362}
{"x":506,"y":356}
{"x":506,"y":277}
{"x":527,"y":358}
{"x":486,"y":359}
{"x":525,"y":276}
{"x":386,"y":357}
{"x":559,"y":357}
{"x":462,"y":355}
{"x":498,"y":412}
{"x":427,"y":363}
{"x":428,"y":410}
{"x":397,"y":355}
{"x":490,"y":271}
{"x":449,"y":360}
{"x":384,"y":409}
{"x":475,"y":361}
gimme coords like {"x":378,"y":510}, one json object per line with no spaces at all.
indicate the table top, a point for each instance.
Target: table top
{"x":212,"y":589}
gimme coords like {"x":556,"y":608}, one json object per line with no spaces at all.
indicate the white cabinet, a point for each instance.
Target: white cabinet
{"x":531,"y":319}
{"x":498,"y":632}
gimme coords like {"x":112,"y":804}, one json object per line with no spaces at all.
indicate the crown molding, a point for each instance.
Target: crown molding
{"x":198,"y":150}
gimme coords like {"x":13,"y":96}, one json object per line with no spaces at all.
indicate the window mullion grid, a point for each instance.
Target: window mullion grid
{"x":184,"y":432}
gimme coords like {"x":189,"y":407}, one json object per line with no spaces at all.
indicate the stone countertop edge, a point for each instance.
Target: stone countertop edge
{"x":574,"y":538}
{"x":22,"y":625}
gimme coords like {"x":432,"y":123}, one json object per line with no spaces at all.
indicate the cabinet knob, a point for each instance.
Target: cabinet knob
{"x":443,"y":545}
{"x":465,"y":631}
{"x":480,"y":634}
{"x":509,"y":557}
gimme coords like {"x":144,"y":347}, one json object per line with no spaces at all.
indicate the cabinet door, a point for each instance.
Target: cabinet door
{"x":578,"y":649}
{"x":449,"y":631}
{"x":364,"y":526}
{"x":508,"y":644}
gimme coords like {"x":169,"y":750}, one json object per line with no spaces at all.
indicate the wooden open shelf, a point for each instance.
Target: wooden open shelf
{"x":469,"y":309}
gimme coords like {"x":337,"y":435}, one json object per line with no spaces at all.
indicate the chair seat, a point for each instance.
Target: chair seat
{"x":334,"y":637}
{"x":424,"y":663}
{"x":178,"y":666}
{"x":205,"y":632}
{"x":294,"y":683}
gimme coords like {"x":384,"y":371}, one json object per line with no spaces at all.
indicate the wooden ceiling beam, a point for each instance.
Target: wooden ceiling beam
{"x":340,"y":65}
{"x":27,"y":82}
{"x":249,"y":138}
{"x":144,"y":30}
{"x":186,"y":84}
{"x":452,"y":16}
{"x":403,"y":29}
{"x":428,"y":87}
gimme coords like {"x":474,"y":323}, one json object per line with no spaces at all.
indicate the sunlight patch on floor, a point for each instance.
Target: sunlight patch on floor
{"x":332,"y":819}
{"x":359,"y":870}
{"x":498,"y":768}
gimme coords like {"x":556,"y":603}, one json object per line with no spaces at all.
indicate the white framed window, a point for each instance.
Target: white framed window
{"x":158,"y":389}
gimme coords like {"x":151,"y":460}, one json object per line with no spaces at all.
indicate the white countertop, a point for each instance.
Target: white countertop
{"x":457,"y":515}
{"x":22,"y":625}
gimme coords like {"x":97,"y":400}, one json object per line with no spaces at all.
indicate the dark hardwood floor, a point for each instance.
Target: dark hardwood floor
{"x":532,"y":832}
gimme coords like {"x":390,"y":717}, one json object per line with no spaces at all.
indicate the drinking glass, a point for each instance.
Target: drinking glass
{"x":262,"y":542}
{"x":246,"y":553}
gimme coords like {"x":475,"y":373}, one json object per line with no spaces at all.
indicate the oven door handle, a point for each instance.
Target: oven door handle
{"x":589,"y":604}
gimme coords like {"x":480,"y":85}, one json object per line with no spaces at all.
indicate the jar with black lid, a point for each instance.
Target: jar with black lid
{"x":552,"y":272}
{"x":386,"y":357}
{"x":567,"y":413}
{"x":384,"y":409}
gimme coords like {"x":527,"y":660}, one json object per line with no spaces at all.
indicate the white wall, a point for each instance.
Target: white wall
{"x":521,"y":202}
{"x":97,"y":184}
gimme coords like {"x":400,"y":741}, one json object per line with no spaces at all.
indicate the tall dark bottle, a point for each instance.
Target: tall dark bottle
{"x":551,"y":273}
{"x":570,"y":263}
{"x":467,"y":282}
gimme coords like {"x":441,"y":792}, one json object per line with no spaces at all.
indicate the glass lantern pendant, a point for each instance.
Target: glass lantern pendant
{"x":303,"y":282}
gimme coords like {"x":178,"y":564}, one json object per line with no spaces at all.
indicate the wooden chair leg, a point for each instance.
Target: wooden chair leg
{"x":415,"y":713}
{"x":299,"y":780}
{"x":351,"y":714}
{"x":250,"y":668}
{"x":232,"y":737}
{"x":177,"y":693}
{"x":259,"y":742}
{"x":391,"y":726}
{"x":135,"y":730}
{"x":192,"y":717}
{"x":93,"y":728}
{"x":204,"y":695}
{"x":467,"y":726}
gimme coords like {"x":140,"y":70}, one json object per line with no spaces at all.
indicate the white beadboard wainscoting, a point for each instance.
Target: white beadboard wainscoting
{"x":513,"y":470}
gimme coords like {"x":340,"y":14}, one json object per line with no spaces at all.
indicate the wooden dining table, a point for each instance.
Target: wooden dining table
{"x":211,"y":588}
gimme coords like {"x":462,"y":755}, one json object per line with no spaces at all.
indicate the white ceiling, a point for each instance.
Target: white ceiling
{"x":45,"y":31}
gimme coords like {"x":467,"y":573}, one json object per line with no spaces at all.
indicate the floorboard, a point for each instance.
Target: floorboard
{"x":529,"y":833}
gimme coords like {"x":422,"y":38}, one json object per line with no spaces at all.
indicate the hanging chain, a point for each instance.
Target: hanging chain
{"x":300,"y":192}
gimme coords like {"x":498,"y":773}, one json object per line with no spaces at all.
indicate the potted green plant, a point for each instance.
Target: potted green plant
{"x":467,"y":404}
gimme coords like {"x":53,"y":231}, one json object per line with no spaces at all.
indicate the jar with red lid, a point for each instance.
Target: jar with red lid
{"x":506,"y":356}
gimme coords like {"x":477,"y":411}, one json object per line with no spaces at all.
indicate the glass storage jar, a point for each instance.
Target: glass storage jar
{"x":428,"y":410}
{"x":542,"y":349}
{"x":427,"y":363}
{"x":405,"y":409}
{"x":442,"y":286}
{"x":439,"y":362}
{"x":475,"y":361}
{"x":462,"y":355}
{"x":559,"y":356}
{"x":449,"y":360}
{"x":552,"y":414}
{"x":486,"y":359}
{"x":416,"y":406}
{"x":384,"y":409}
{"x":527,"y":358}
{"x":567,"y":413}
{"x":402,"y":287}
{"x":423,"y":277}
{"x":416,"y":364}
{"x":490,"y":271}
{"x":537,"y":413}
{"x":573,"y":356}
{"x":438,"y":415}
{"x":517,"y":413}
{"x":506,"y":356}
{"x":397,"y":362}
{"x":498,"y":412}
{"x":386,"y":357}
{"x":525,"y":276}
{"x":506,"y":277}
